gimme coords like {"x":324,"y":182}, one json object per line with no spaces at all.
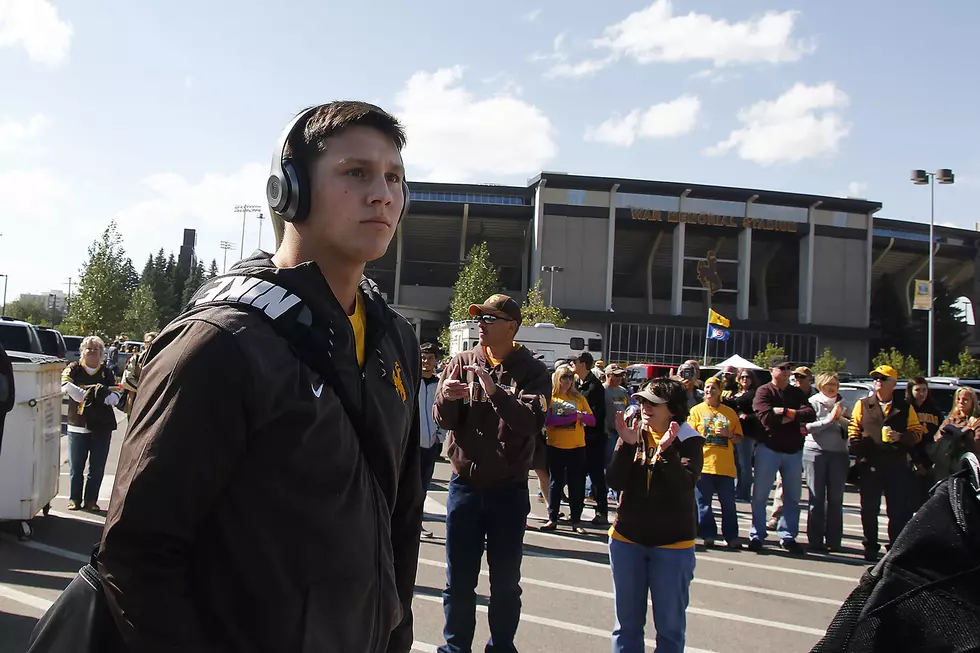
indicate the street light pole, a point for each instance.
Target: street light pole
{"x":225,"y":245}
{"x":3,"y":311}
{"x":920,"y":178}
{"x":245,"y":209}
{"x":260,"y":218}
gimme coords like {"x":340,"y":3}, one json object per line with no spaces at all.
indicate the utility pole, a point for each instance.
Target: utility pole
{"x":245,"y":209}
{"x":225,"y":245}
{"x":552,"y":269}
{"x":3,"y":311}
{"x":68,"y":299}
{"x":260,"y":219}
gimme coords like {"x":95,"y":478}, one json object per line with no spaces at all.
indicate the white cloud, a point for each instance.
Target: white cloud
{"x":532,"y":16}
{"x":801,"y":123}
{"x":665,"y":120}
{"x":455,"y":136}
{"x":857,"y":189}
{"x":16,"y":136}
{"x":35,"y":25}
{"x":656,"y":34}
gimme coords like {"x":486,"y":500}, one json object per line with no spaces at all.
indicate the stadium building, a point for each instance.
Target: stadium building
{"x":635,"y":257}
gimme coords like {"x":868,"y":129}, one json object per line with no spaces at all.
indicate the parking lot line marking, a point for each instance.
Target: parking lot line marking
{"x":562,"y":625}
{"x":8,"y":592}
{"x":47,"y":548}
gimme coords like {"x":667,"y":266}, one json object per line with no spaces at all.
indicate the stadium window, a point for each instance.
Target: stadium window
{"x":576,"y":197}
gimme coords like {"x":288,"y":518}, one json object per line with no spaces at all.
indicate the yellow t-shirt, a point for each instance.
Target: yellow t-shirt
{"x":616,"y":535}
{"x":358,"y":322}
{"x":573,"y":435}
{"x":493,"y":361}
{"x":719,"y":452}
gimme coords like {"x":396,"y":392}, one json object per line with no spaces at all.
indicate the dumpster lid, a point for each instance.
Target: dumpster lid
{"x":28,"y":357}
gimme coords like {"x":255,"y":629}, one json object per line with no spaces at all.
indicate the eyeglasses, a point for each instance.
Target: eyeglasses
{"x":785,"y":368}
{"x":490,"y":319}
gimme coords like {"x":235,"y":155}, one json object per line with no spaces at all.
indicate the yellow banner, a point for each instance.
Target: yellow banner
{"x":718,"y":318}
{"x":923,"y":295}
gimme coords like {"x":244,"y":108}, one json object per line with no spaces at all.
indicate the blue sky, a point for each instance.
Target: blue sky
{"x":164,"y":116}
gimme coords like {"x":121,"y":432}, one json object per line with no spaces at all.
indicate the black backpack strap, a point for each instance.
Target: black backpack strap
{"x":289,"y":317}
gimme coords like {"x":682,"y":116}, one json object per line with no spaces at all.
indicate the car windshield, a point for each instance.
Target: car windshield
{"x":943,"y":398}
{"x":15,"y":337}
{"x":49,"y":342}
{"x":73,"y":342}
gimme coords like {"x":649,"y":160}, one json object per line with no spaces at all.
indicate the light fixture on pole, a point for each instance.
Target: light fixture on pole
{"x":225,"y":245}
{"x":3,"y":311}
{"x":921,"y":178}
{"x":552,"y":269}
{"x":260,"y":218}
{"x":245,"y":209}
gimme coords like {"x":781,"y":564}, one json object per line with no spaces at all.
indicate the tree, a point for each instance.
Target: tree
{"x":33,"y":310}
{"x":131,"y":280}
{"x":906,"y":366}
{"x":827,"y":362}
{"x":889,"y":325}
{"x":762,"y":358}
{"x":966,"y":367}
{"x":535,"y":310}
{"x":160,"y":285}
{"x":194,"y":281}
{"x":142,"y":315}
{"x":949,"y":329}
{"x":101,"y":300}
{"x":477,"y":280}
{"x":212,"y":271}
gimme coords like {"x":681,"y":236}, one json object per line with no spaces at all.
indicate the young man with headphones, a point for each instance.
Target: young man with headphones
{"x":268,"y":496}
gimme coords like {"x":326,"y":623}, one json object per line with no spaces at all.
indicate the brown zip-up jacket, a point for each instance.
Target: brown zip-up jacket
{"x":491,"y":439}
{"x":245,"y":518}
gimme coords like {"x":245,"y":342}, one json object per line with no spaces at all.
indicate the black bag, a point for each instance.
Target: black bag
{"x":924,"y":595}
{"x":79,"y":621}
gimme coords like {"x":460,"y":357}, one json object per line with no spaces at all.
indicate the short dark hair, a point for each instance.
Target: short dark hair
{"x":674,"y":392}
{"x":585,"y":357}
{"x":309,"y":138}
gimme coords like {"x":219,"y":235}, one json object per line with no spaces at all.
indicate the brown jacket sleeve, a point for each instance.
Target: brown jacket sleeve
{"x":186,"y":437}
{"x":447,"y":413}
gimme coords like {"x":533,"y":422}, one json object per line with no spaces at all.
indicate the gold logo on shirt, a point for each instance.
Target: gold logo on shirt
{"x":396,"y":378}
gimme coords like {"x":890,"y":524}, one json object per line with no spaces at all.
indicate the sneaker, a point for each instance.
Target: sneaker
{"x":708,"y":542}
{"x":92,"y":507}
{"x":734,"y":544}
{"x":577,"y":529}
{"x":600,"y":520}
{"x":426,"y":533}
{"x":756,"y":545}
{"x":74,"y":505}
{"x":548,"y":526}
{"x":791,"y":546}
{"x":540,"y":497}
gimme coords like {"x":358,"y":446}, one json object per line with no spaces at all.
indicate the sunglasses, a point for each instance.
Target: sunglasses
{"x":567,"y":377}
{"x":785,"y":368}
{"x":490,"y":319}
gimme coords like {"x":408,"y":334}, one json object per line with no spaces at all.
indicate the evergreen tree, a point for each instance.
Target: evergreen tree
{"x":142,"y":316}
{"x":827,"y":362}
{"x":477,"y":280}
{"x":906,"y":366}
{"x":762,"y":358}
{"x":213,"y":270}
{"x":194,"y":281}
{"x":131,"y":278}
{"x":160,"y":285}
{"x":535,"y":310}
{"x":889,"y":325}
{"x":966,"y":367}
{"x":101,"y":300}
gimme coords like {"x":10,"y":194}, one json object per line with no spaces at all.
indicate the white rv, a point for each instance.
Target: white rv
{"x":544,"y":339}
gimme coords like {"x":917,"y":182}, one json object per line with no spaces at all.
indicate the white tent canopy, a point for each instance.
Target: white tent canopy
{"x":735,"y":361}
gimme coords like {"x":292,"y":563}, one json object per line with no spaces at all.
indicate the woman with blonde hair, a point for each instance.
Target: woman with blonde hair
{"x":956,"y":435}
{"x":567,"y":419}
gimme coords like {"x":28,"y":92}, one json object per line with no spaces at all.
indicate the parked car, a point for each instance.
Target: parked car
{"x":942,"y":392}
{"x":73,"y":345}
{"x":52,"y":342}
{"x":19,"y":336}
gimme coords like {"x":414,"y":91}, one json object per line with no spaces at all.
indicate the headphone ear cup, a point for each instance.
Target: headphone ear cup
{"x":294,"y":205}
{"x":407,"y":195}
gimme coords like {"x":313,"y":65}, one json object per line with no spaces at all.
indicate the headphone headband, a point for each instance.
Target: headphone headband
{"x":288,"y":188}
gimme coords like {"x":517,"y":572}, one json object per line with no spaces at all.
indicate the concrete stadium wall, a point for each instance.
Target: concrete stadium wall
{"x":579,"y":245}
{"x":839,"y":281}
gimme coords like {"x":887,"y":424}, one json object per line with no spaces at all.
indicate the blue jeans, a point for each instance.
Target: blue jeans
{"x":743,"y":461}
{"x":790,"y":468}
{"x":95,"y":448}
{"x":826,"y":475}
{"x":707,"y":486}
{"x":498,"y":518}
{"x":662,"y":574}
